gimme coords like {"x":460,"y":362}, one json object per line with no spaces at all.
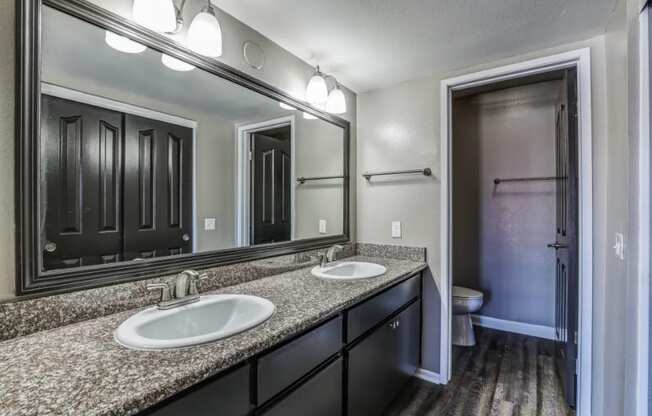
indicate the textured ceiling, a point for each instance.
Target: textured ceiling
{"x":369,"y":44}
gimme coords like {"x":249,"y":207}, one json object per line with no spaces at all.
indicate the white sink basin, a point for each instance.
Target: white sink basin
{"x":213,"y":317}
{"x":349,"y":270}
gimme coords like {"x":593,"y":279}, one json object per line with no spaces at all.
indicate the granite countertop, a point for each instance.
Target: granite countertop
{"x":80,"y":370}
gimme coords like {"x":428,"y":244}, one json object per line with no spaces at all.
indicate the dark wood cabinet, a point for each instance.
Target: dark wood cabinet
{"x":308,"y":375}
{"x":321,"y":395}
{"x":381,"y":364}
{"x":228,"y":395}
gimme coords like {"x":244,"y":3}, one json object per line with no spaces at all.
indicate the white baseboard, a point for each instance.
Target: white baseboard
{"x":540,"y":331}
{"x":429,"y":376}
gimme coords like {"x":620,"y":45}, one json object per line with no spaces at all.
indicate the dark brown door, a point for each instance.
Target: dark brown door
{"x":270,"y":186}
{"x":566,"y":244}
{"x":158,"y":188}
{"x":81,"y":200}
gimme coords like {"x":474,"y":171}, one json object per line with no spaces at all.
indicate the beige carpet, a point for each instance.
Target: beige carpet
{"x":503,"y":375}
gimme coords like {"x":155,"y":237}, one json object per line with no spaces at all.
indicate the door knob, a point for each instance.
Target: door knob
{"x":557,"y":246}
{"x":50,"y":247}
{"x":185,"y":237}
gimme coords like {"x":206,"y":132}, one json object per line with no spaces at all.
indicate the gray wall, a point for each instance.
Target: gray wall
{"x":399,"y":127}
{"x":282,"y":70}
{"x":500,"y":232}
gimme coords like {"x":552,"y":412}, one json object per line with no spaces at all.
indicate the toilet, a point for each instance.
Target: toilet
{"x":465,"y":302}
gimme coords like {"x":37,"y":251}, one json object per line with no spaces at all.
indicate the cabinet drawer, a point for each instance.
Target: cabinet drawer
{"x":228,"y":395}
{"x":363,"y":317}
{"x":319,"y":396}
{"x":285,"y":365}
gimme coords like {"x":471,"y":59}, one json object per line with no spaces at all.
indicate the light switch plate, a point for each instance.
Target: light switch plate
{"x":322,"y":226}
{"x":209,"y":224}
{"x":396,"y":229}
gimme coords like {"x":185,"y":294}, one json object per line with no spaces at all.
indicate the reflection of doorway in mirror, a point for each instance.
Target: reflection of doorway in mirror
{"x":265,"y":182}
{"x":117,"y":181}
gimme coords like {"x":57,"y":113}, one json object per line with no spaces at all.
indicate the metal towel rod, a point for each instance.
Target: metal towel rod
{"x":424,"y":172}
{"x":536,"y":178}
{"x":303,"y":180}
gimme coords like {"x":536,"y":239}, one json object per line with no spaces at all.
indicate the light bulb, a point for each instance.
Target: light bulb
{"x":123,"y":44}
{"x":336,"y":103}
{"x":317,"y":91}
{"x":285,"y":106}
{"x":176,"y":64}
{"x":205,"y":34}
{"x":157,"y":15}
{"x":309,"y":116}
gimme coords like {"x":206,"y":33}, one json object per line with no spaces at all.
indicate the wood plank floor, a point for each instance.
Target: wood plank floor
{"x":505,"y":374}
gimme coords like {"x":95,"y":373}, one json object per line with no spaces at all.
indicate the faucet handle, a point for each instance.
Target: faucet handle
{"x":163,"y":287}
{"x":195,"y":278}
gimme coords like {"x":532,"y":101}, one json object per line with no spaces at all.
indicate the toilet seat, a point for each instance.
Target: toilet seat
{"x":466,"y":293}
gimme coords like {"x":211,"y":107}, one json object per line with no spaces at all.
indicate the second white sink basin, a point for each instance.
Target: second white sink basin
{"x":349,"y":270}
{"x":213,"y":317}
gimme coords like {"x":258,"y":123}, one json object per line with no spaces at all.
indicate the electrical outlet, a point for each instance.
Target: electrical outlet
{"x":322,"y":226}
{"x":619,"y":246}
{"x":396,"y":229}
{"x":209,"y":224}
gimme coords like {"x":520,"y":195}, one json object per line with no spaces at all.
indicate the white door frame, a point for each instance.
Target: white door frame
{"x":643,"y":301}
{"x":242,"y":182}
{"x":122,"y":107}
{"x":581,"y":59}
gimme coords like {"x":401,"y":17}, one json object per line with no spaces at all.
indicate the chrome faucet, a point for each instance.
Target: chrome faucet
{"x":185,"y":289}
{"x":329,"y":256}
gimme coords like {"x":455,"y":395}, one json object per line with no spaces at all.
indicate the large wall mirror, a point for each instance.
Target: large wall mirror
{"x":141,"y":158}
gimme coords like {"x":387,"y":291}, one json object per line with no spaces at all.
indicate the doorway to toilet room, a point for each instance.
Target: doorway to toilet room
{"x":514,"y":231}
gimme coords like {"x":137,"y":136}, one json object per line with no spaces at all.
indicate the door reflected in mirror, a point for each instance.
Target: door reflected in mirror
{"x":144,"y":156}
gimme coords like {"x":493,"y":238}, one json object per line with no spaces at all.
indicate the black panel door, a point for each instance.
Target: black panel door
{"x":270,"y":188}
{"x":158,"y":188}
{"x":381,"y":364}
{"x":566,"y":244}
{"x":81,"y":197}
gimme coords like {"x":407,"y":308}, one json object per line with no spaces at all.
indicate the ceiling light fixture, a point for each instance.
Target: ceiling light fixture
{"x":317,"y":91}
{"x":336,"y":103}
{"x":205,"y":33}
{"x":176,"y":64}
{"x":123,"y":44}
{"x":157,"y":15}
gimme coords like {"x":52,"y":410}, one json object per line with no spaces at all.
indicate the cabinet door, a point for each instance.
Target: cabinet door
{"x":381,"y":364}
{"x":226,"y":396}
{"x":319,"y":396}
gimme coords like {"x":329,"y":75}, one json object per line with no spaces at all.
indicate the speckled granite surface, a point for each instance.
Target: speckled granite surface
{"x":391,"y":251}
{"x":79,"y":370}
{"x":23,"y":317}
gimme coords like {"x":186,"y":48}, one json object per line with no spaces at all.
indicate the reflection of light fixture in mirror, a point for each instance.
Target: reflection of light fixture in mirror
{"x":336,"y":103}
{"x":157,"y":15}
{"x":285,"y":106}
{"x":317,"y":91}
{"x":205,"y":33}
{"x":309,"y":116}
{"x":176,"y":64}
{"x":123,"y":44}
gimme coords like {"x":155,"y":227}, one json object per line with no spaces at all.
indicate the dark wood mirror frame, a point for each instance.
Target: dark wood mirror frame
{"x":29,"y":278}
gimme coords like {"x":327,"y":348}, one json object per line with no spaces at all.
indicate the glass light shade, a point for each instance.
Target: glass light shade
{"x":123,"y":44}
{"x":285,"y":106}
{"x":336,"y":103}
{"x":176,"y":64}
{"x":205,"y":34}
{"x":309,"y":116}
{"x":317,"y":91}
{"x":158,"y":15}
